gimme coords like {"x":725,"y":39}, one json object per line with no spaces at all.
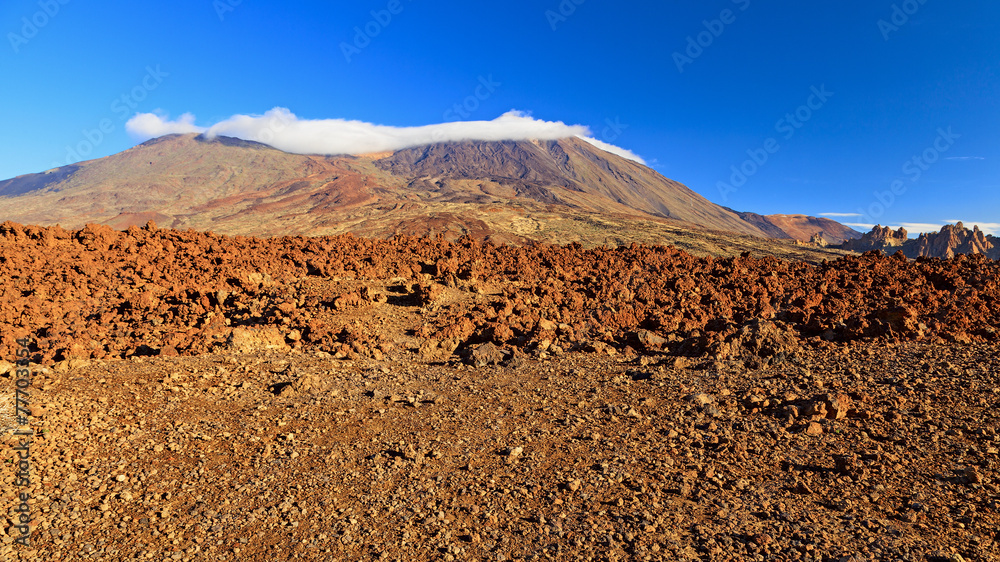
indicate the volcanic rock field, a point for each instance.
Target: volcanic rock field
{"x":206,"y":397}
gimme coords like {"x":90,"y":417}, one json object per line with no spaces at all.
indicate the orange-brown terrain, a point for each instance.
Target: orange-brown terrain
{"x":199,"y":396}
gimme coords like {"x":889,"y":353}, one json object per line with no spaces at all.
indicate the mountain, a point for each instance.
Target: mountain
{"x":802,"y":227}
{"x":948,"y":242}
{"x":510,"y":191}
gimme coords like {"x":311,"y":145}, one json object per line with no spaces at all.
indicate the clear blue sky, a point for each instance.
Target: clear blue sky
{"x":894,"y":85}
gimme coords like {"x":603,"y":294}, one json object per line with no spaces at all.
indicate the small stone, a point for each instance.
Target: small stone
{"x":837,"y":406}
{"x":814,"y":429}
{"x":547,"y":325}
{"x":651,"y":341}
{"x":817,"y":408}
{"x":972,"y":475}
{"x":846,"y":463}
{"x":802,"y":488}
{"x":701,"y":399}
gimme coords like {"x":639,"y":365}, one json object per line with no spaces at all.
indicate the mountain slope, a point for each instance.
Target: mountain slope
{"x":518,"y":191}
{"x":569,"y":172}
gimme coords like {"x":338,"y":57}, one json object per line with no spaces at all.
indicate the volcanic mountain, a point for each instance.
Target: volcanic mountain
{"x":509,"y":191}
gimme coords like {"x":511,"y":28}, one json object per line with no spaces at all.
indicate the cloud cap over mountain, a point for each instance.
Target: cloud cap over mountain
{"x":283,"y":130}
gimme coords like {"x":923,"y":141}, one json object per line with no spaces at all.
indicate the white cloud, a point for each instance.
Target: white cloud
{"x":989,"y":227}
{"x":624,"y":153}
{"x":965,"y":158}
{"x":863,"y":227}
{"x":281,"y":129}
{"x":150,"y":125}
{"x":915,"y":228}
{"x":840,"y":215}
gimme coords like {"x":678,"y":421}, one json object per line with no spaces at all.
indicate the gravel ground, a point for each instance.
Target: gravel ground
{"x":880,"y":452}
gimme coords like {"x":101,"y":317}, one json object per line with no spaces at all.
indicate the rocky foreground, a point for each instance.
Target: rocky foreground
{"x":200,"y":397}
{"x":884,"y":452}
{"x":99,"y":293}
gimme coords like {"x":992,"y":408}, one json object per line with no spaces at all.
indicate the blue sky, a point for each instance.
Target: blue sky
{"x":885,"y":109}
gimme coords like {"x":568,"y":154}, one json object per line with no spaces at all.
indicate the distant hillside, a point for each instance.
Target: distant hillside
{"x":801,"y":227}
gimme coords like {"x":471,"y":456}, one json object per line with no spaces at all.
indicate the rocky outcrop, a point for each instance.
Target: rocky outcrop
{"x":952,"y":240}
{"x":819,"y":241}
{"x":880,"y":238}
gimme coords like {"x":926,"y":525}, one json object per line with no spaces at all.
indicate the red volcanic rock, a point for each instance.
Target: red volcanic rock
{"x":427,"y":293}
{"x":757,"y":344}
{"x":97,"y":292}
